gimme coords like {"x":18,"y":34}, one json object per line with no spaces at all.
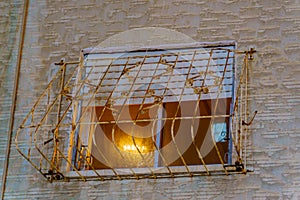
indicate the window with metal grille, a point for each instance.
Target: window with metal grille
{"x":161,"y":111}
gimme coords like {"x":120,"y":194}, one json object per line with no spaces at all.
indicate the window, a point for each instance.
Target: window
{"x":154,"y":112}
{"x":157,"y":107}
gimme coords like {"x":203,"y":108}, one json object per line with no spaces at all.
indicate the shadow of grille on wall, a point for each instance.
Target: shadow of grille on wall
{"x":164,"y":111}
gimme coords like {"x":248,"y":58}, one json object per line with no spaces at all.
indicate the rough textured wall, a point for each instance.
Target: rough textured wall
{"x":60,"y":29}
{"x":10,"y":18}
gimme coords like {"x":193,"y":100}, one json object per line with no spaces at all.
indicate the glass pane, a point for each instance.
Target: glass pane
{"x":220,"y":131}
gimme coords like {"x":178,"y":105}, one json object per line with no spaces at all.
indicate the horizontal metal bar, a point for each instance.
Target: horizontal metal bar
{"x":160,"y":172}
{"x":156,"y":119}
{"x":157,"y":47}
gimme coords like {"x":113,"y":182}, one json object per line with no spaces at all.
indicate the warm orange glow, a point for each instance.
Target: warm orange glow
{"x":133,"y":148}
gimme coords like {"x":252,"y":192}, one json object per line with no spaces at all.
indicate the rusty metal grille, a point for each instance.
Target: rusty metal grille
{"x":155,"y":112}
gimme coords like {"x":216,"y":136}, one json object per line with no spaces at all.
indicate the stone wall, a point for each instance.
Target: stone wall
{"x":10,"y":19}
{"x":60,"y":29}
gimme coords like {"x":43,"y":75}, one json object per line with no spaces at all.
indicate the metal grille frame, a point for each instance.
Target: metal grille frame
{"x":50,"y":134}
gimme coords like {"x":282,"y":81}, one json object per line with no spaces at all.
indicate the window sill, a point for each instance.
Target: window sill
{"x":160,"y":172}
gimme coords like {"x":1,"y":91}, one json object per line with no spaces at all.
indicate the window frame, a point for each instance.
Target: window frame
{"x":231,"y":44}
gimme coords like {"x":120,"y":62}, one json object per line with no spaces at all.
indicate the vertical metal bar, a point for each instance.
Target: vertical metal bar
{"x":74,"y":115}
{"x":237,"y":133}
{"x":195,"y":113}
{"x":30,"y":135}
{"x":241,"y":107}
{"x":173,"y":123}
{"x":230,"y":128}
{"x":79,"y":113}
{"x":215,"y":110}
{"x":245,"y":113}
{"x":55,"y":157}
{"x":158,"y":135}
{"x":236,"y":114}
{"x":249,"y":76}
{"x":76,"y":126}
{"x":49,"y":134}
